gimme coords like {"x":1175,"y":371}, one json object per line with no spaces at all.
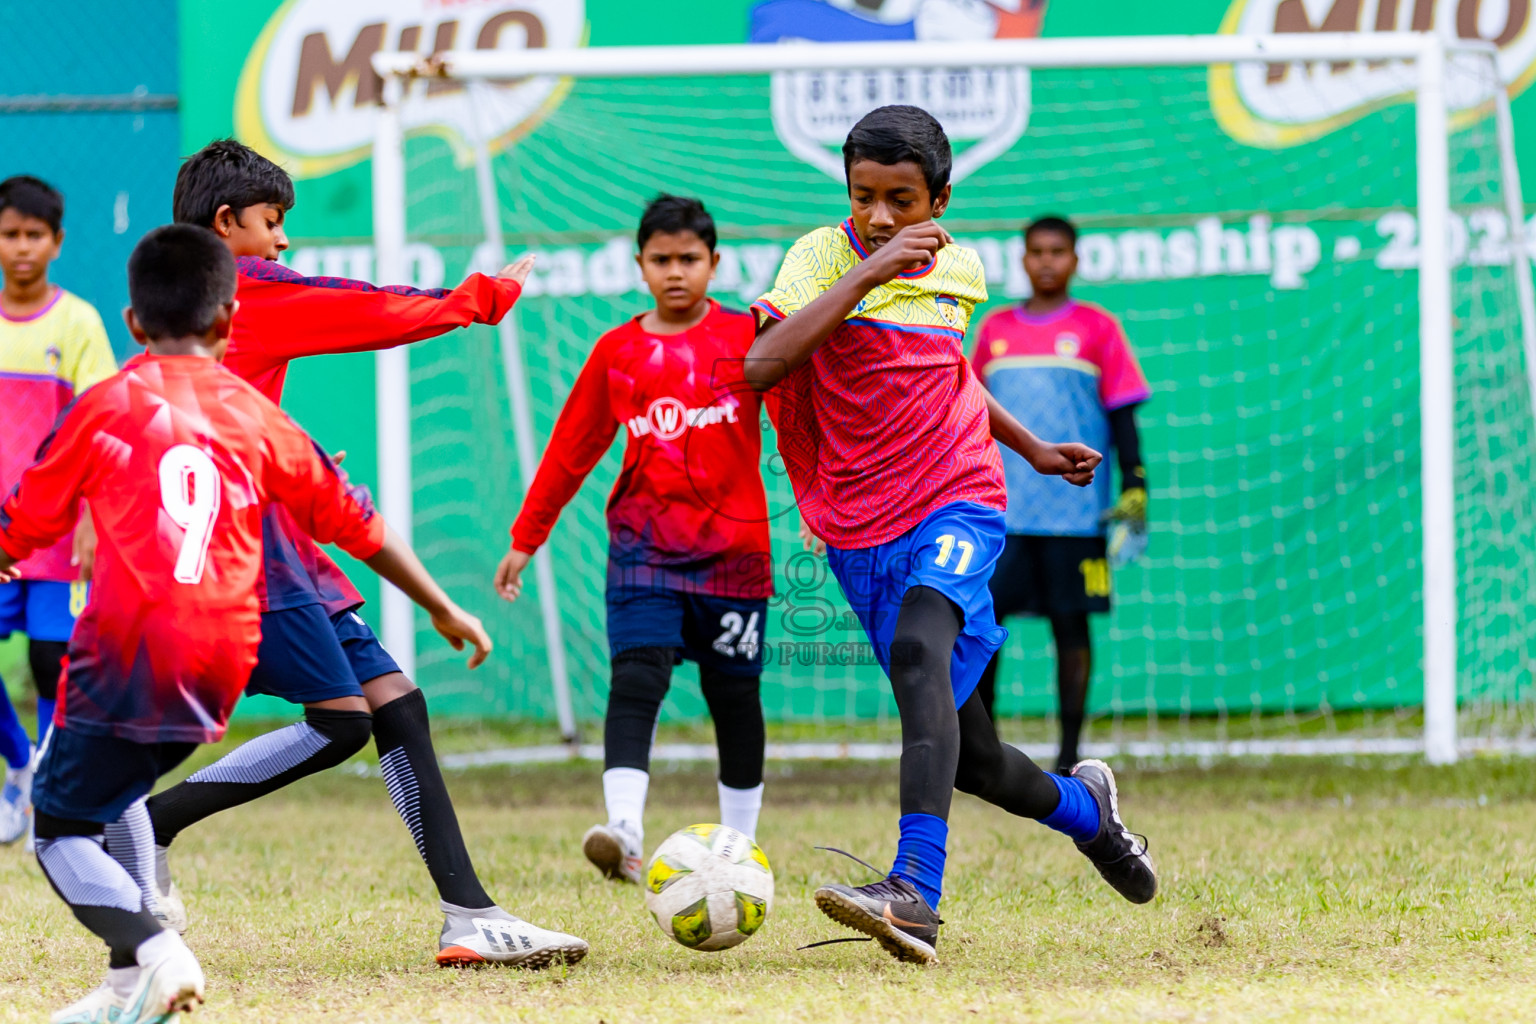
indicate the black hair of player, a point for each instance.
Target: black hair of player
{"x":33,"y":197}
{"x":179,"y":277}
{"x":899,"y":134}
{"x":227,"y":173}
{"x":1060,"y":225}
{"x":671,"y":215}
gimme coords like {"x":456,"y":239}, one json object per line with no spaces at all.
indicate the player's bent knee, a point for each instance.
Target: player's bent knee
{"x":346,"y":732}
{"x":385,"y":689}
{"x":46,"y":659}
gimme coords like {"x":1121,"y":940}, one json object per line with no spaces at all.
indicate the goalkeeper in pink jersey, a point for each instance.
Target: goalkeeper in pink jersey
{"x":689,"y":568}
{"x":888,"y":439}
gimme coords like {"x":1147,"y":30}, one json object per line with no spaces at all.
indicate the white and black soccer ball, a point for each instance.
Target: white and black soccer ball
{"x":709,"y":887}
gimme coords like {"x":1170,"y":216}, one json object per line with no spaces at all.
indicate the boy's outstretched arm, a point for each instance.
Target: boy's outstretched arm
{"x":398,"y":564}
{"x":783,"y":345}
{"x":316,"y":492}
{"x":285,"y":315}
{"x":583,"y":433}
{"x":1072,"y":461}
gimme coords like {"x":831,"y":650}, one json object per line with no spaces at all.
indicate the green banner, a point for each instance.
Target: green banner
{"x":1252,"y":226}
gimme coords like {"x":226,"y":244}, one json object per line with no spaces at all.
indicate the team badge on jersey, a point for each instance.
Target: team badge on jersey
{"x":54,"y":358}
{"x":1068,"y":345}
{"x":949,"y":311}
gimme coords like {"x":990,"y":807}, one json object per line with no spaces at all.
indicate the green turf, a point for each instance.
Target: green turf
{"x":1293,"y":891}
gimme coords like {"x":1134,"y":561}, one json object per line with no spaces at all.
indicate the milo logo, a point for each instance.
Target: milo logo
{"x":308,"y":95}
{"x":1277,"y":105}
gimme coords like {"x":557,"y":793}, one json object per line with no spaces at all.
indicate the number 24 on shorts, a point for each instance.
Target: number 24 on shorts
{"x":948,"y":545}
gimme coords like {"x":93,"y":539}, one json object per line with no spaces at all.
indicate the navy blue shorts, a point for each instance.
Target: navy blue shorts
{"x":721,"y":632}
{"x":96,"y":778}
{"x":42,"y":609}
{"x":953,"y":551}
{"x":307,"y":656}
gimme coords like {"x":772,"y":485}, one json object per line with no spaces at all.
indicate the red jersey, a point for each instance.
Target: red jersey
{"x":176,"y":456}
{"x":886,"y":421}
{"x":688,"y":510}
{"x":284,"y":315}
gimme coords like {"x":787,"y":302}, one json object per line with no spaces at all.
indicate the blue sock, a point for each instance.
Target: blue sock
{"x":1077,"y":814}
{"x":44,"y":718}
{"x":920,"y":854}
{"x":15,"y":746}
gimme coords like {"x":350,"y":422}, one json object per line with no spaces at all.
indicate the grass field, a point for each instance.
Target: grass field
{"x":1292,"y":891}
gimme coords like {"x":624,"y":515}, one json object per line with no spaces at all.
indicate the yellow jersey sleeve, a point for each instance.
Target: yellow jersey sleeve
{"x":960,"y":273}
{"x":88,"y":358}
{"x":810,"y":268}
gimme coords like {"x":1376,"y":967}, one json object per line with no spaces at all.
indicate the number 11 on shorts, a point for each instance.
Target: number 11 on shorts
{"x":947,"y":545}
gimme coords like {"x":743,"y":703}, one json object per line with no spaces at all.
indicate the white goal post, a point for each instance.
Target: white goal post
{"x":1429,"y":54}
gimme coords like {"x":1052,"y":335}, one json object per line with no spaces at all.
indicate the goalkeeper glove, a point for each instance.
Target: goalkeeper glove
{"x":1128,"y":527}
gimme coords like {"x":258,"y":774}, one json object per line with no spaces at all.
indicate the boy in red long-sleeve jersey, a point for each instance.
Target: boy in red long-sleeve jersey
{"x":689,"y":567}
{"x":316,"y":650}
{"x":176,"y":457}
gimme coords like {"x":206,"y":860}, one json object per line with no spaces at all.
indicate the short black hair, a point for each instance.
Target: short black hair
{"x":33,"y":197}
{"x":669,"y":214}
{"x":178,"y":277}
{"x":1052,"y":222}
{"x":226,"y":173}
{"x":902,"y":134}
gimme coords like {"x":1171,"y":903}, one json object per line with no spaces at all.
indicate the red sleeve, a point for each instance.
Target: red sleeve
{"x":287,"y":315}
{"x":1121,"y":381}
{"x":44,"y":504}
{"x":314,"y":489}
{"x":582,"y":434}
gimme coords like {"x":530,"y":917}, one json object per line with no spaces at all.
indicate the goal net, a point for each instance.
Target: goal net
{"x":1255,"y":226}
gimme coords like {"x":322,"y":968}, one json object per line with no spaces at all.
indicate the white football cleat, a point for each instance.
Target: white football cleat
{"x":16,"y":801}
{"x":173,"y":911}
{"x":103,"y":1006}
{"x":171,"y":982}
{"x":494,"y":936}
{"x":615,"y":851}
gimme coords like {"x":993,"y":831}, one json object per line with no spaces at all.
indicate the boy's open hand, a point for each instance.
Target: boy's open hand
{"x":509,"y":575}
{"x":459,"y":627}
{"x":808,"y":540}
{"x":82,"y":554}
{"x":519,"y":269}
{"x":912,"y":247}
{"x":1072,"y":462}
{"x":8,"y":573}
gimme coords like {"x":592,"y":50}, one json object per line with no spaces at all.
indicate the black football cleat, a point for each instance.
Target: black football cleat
{"x":1119,"y":854}
{"x":891,"y":912}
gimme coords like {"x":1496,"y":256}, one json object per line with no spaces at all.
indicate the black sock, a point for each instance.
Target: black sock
{"x":323,"y":740}
{"x":100,"y":892}
{"x":736,"y":707}
{"x":1074,"y":665}
{"x":640,"y":680}
{"x":415,"y":782}
{"x":998,"y":772}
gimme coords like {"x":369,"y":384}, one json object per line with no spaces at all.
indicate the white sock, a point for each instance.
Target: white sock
{"x":624,"y":793}
{"x":157,"y":948}
{"x":739,"y":808}
{"x":123,"y":980}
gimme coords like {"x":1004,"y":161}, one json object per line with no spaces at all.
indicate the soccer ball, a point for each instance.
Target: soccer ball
{"x":709,"y":887}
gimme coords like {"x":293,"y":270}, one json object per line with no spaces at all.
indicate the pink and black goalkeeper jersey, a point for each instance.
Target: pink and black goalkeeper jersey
{"x":176,"y":457}
{"x":284,"y":316}
{"x":688,"y":510}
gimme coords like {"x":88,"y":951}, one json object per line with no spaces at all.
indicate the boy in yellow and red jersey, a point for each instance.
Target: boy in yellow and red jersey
{"x":52,"y":347}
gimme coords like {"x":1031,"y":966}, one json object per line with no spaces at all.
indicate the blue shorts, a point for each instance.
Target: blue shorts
{"x":42,"y":609}
{"x":96,"y":778}
{"x":307,"y":656}
{"x":723,"y":633}
{"x":953,"y":551}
